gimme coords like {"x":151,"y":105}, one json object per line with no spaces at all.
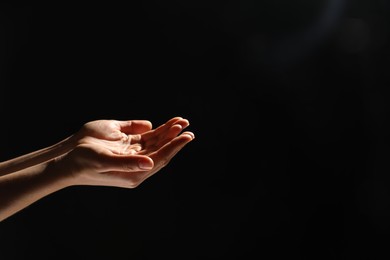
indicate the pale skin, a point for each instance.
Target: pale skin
{"x":102,"y":153}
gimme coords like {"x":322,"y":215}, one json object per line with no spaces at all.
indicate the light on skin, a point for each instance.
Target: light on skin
{"x":102,"y":153}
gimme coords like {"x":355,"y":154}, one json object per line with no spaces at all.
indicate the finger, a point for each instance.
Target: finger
{"x":126,"y":163}
{"x":171,"y":133}
{"x":183,"y":122}
{"x":162,"y":128}
{"x":135,"y":126}
{"x":166,"y":131}
{"x":156,"y":141}
{"x":163,"y":156}
{"x":170,"y":149}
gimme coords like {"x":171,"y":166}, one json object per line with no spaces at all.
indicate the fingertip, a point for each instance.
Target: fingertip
{"x":183,"y":123}
{"x":175,"y":119}
{"x":186,"y":122}
{"x":145,"y":163}
{"x":189,"y":134}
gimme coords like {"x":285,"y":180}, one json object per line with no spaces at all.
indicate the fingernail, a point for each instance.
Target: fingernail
{"x":190,"y":135}
{"x":145,"y":164}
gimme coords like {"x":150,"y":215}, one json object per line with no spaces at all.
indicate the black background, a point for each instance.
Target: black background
{"x":288,"y":101}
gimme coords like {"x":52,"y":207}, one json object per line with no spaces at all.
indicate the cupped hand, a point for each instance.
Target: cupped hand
{"x":125,"y":153}
{"x":121,"y":137}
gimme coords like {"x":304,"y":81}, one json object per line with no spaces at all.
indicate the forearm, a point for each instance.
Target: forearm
{"x":36,"y":157}
{"x":23,"y":188}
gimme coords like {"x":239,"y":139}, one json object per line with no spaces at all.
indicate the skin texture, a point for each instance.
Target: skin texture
{"x":102,"y":153}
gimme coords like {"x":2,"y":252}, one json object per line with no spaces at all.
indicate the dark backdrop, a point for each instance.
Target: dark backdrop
{"x":288,"y":101}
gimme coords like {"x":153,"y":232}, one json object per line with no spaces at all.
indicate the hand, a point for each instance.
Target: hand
{"x":102,"y":152}
{"x":121,"y":137}
{"x":123,"y":153}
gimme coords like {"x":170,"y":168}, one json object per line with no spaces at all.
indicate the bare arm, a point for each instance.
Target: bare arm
{"x":94,"y":159}
{"x":35,"y":157}
{"x":22,"y":188}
